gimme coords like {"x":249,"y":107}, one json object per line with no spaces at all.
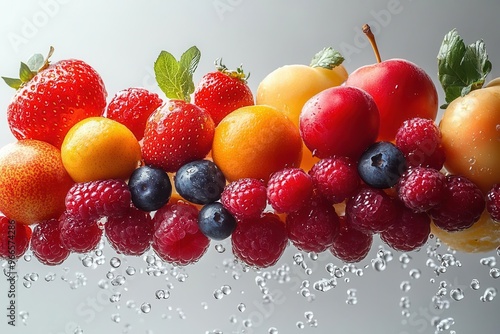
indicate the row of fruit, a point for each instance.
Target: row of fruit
{"x":319,"y":157}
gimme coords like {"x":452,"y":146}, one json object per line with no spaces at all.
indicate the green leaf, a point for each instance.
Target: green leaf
{"x":13,"y":82}
{"x":36,"y":62}
{"x":461,"y":68}
{"x":25,"y":74}
{"x":327,"y":58}
{"x":175,"y":78}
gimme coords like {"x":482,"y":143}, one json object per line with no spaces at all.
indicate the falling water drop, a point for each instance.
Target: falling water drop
{"x":242,"y":307}
{"x":115,"y":262}
{"x":145,"y":308}
{"x":457,"y":294}
{"x":495,"y":273}
{"x":474,"y":284}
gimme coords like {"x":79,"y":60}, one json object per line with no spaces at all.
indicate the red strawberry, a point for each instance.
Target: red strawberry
{"x":51,"y":98}
{"x":179,"y":132}
{"x":222,"y":91}
{"x":132,"y":107}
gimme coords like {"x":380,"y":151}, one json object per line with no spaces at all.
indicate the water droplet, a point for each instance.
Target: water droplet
{"x":379,"y":264}
{"x":444,"y":324}
{"x":404,"y":302}
{"x":300,"y":325}
{"x":488,"y":261}
{"x":50,"y":277}
{"x":218,"y":294}
{"x":204,"y":305}
{"x":130,"y":271}
{"x":313,"y":256}
{"x":116,"y":317}
{"x":489,"y":295}
{"x":226,"y":289}
{"x":78,"y":330}
{"x":309,"y":315}
{"x":457,"y":294}
{"x":220,"y":248}
{"x":247,"y":323}
{"x":242,"y":307}
{"x":33,"y":277}
{"x":404,"y":259}
{"x":474,"y":284}
{"x":115,"y":262}
{"x":27,"y":257}
{"x":119,"y":280}
{"x":87,"y":261}
{"x":298,"y":258}
{"x":24,"y":315}
{"x":27,"y":284}
{"x":162,"y":294}
{"x":415,"y":273}
{"x":145,"y":308}
{"x":495,"y":273}
{"x":308,"y":271}
{"x":351,"y":297}
{"x":405,"y":286}
{"x":272,"y":330}
{"x":103,"y":284}
{"x":115,"y":297}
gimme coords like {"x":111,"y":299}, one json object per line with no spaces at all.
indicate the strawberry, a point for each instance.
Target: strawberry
{"x":132,"y":107}
{"x":223,"y":91}
{"x":179,"y":132}
{"x":51,"y":98}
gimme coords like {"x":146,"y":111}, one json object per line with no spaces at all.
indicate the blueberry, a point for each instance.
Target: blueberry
{"x":215,"y":221}
{"x":150,"y":188}
{"x":200,"y":182}
{"x":381,"y":165}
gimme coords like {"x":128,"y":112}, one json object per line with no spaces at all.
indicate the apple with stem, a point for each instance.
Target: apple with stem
{"x":400,"y":88}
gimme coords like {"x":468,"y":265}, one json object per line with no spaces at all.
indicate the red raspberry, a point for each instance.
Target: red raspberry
{"x":421,"y":188}
{"x":14,"y":239}
{"x":46,"y":243}
{"x":371,"y":210}
{"x":245,"y":198}
{"x":336,"y":178}
{"x":96,"y":199}
{"x":351,"y":245}
{"x":289,"y":189}
{"x":79,"y":235}
{"x":409,"y":232}
{"x":420,"y":141}
{"x":493,"y":202}
{"x":259,"y":242}
{"x":177,"y":238}
{"x":313,"y":227}
{"x":132,"y":107}
{"x":130,"y":234}
{"x":462,"y":205}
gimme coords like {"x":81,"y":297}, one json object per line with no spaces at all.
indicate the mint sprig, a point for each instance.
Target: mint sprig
{"x":175,"y":78}
{"x":461,"y":68}
{"x":327,"y":58}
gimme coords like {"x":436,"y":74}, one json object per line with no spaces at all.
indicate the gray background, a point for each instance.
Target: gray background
{"x":122,"y":39}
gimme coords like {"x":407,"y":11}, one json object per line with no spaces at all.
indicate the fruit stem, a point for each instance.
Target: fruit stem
{"x":371,"y":38}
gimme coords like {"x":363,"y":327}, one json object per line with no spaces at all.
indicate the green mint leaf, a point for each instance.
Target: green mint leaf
{"x":175,"y":78}
{"x":461,"y":68}
{"x":13,"y":82}
{"x":25,"y":74}
{"x":36,"y":62}
{"x":327,"y":58}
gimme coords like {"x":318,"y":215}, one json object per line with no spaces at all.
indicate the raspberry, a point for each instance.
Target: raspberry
{"x":461,"y":207}
{"x":177,"y":238}
{"x":493,"y":202}
{"x":371,"y":210}
{"x":313,"y":227}
{"x":245,"y":198}
{"x":132,"y":107}
{"x":46,"y":243}
{"x":288,"y":189}
{"x":351,"y":245}
{"x":421,"y":188}
{"x":79,"y":235}
{"x":336,"y":178}
{"x":130,"y":234}
{"x":259,"y":242}
{"x":409,"y":232}
{"x":420,"y":141}
{"x":14,"y":235}
{"x":96,"y":199}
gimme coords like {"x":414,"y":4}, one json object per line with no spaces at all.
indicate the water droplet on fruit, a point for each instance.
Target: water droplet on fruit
{"x":145,"y":308}
{"x":457,"y":294}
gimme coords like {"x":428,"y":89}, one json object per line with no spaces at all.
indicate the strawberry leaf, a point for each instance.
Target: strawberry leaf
{"x":36,"y":62}
{"x":13,"y":82}
{"x":461,"y":68}
{"x":25,"y":73}
{"x":327,"y":58}
{"x":175,"y":78}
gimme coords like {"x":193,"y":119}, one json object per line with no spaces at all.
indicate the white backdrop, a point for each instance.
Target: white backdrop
{"x":122,"y":39}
